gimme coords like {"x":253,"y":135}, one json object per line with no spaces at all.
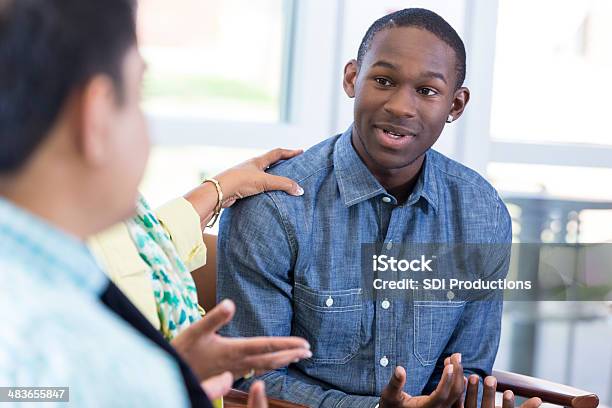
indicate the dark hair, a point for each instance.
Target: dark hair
{"x":420,"y":18}
{"x":48,"y":49}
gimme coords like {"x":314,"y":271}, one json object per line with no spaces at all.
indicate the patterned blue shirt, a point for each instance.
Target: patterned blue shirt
{"x":293,"y":266}
{"x":55,"y":331}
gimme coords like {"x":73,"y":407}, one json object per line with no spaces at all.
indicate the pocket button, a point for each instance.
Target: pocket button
{"x":329,"y":302}
{"x":384,"y":361}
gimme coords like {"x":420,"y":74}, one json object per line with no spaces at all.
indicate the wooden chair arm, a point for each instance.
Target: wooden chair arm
{"x":547,"y":391}
{"x":238,"y":399}
{"x":206,"y":277}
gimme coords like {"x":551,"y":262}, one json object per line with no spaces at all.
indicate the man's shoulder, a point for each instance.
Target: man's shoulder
{"x":319,"y":158}
{"x":472,"y":198}
{"x":460,"y":177}
{"x":307,"y":170}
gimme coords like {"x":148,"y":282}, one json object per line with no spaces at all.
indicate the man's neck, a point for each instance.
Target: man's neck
{"x":398,"y":182}
{"x":50,"y":200}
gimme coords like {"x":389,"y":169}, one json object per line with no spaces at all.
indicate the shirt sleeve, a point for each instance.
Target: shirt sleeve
{"x":182,"y":223}
{"x":256,"y":256}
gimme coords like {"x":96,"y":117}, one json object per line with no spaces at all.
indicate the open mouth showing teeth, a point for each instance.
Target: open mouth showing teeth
{"x":392,"y":134}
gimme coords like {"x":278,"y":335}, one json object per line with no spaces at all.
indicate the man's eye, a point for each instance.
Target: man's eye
{"x":427,"y":91}
{"x":383,"y":81}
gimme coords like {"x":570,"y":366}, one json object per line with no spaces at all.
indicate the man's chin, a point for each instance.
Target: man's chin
{"x":128,"y":210}
{"x":395,"y":161}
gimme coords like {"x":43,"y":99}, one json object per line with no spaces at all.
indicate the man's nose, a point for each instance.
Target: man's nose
{"x":402,"y":103}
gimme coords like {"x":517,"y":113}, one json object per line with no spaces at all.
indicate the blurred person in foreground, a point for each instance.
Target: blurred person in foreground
{"x":73,"y":148}
{"x":151,"y":256}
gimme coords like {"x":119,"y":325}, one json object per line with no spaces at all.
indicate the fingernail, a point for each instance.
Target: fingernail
{"x":450,"y":368}
{"x":299,"y":191}
{"x":226,"y":304}
{"x":307,"y":345}
{"x":396,"y":372}
{"x":459,"y":357}
{"x":308,"y":354}
{"x":489,"y":381}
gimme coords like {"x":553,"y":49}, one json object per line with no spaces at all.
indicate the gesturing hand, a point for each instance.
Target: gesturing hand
{"x":209,"y":354}
{"x":488,"y":394}
{"x":449,"y":389}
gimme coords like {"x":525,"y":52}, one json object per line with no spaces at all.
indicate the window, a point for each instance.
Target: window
{"x":214,"y":59}
{"x":551,"y":72}
{"x":572,"y":183}
{"x":228,"y":80}
{"x":570,"y":204}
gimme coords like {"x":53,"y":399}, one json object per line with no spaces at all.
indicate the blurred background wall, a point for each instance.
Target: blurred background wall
{"x":231,"y":79}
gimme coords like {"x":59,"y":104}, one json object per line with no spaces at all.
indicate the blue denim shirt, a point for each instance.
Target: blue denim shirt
{"x":282,"y":258}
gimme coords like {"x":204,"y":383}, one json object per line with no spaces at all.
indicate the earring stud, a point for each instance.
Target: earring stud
{"x":449,"y":119}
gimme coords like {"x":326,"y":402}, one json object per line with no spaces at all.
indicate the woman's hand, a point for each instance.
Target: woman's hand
{"x":249,"y":178}
{"x":243,"y":180}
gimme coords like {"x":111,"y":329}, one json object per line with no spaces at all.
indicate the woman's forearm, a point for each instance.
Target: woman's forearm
{"x":204,"y":200}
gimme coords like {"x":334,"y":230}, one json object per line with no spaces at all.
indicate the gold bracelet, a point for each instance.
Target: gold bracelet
{"x":217,"y":210}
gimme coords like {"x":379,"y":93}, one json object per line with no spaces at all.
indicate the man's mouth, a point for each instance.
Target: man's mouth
{"x":392,"y":137}
{"x":394,"y":131}
{"x":393,"y":134}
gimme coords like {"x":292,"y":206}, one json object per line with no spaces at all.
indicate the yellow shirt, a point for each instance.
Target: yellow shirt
{"x":119,"y":258}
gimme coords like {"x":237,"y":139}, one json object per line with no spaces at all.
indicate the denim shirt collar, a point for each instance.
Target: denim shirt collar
{"x":357,"y":183}
{"x":65,"y":257}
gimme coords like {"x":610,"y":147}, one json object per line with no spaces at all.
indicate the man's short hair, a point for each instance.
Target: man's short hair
{"x":426,"y":20}
{"x":48,"y":49}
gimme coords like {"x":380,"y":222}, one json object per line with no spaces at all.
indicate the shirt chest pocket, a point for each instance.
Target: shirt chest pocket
{"x":434,"y":323}
{"x":330,"y":321}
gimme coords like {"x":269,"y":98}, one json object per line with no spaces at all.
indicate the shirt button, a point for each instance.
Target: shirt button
{"x":329,"y":302}
{"x":389,"y":245}
{"x":385,"y":304}
{"x":386,"y":199}
{"x":384,"y":361}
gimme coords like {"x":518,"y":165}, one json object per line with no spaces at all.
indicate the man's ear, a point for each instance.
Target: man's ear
{"x":460,"y":100}
{"x":98,"y":109}
{"x":351,"y":69}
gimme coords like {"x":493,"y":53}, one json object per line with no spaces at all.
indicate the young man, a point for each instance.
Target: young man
{"x":73,"y":147}
{"x":294,"y":266}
